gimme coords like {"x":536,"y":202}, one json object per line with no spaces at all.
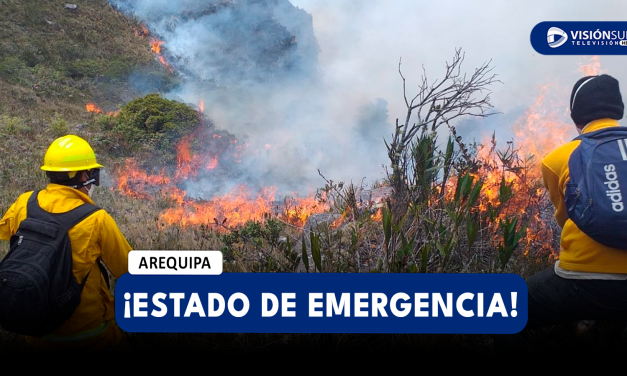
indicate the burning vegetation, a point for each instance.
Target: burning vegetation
{"x":456,"y":207}
{"x":91,"y":107}
{"x":214,"y":159}
{"x":451,"y":207}
{"x":155,"y":45}
{"x":190,"y":151}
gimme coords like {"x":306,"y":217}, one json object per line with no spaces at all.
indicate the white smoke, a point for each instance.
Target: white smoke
{"x":255,"y":65}
{"x":326,"y":100}
{"x":362,"y":40}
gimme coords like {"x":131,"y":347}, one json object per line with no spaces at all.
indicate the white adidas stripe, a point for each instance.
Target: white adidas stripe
{"x":623,"y":148}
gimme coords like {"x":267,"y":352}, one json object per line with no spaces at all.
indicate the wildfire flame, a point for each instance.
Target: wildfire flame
{"x":213,"y":163}
{"x":155,"y":45}
{"x":229,"y":210}
{"x":517,"y":165}
{"x":91,"y":107}
{"x":141,"y":31}
{"x":237,"y":207}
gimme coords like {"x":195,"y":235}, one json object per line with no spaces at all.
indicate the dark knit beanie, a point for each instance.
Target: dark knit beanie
{"x":595,"y":97}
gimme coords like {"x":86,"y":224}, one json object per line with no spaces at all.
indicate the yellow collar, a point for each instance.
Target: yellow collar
{"x":58,"y":189}
{"x":599,"y":124}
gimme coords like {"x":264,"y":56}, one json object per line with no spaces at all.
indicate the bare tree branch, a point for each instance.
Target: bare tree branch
{"x":455,"y":95}
{"x":401,"y":73}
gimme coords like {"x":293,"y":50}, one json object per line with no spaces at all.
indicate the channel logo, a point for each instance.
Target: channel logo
{"x":580,"y":38}
{"x":556,"y":37}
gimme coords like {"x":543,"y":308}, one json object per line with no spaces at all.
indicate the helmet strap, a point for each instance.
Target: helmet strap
{"x":84,"y":184}
{"x":93,"y":177}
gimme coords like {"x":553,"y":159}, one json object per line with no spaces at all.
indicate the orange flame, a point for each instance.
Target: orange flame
{"x":213,"y":163}
{"x":155,"y":45}
{"x":91,"y":107}
{"x":187,"y":164}
{"x":236,"y":207}
{"x":141,"y":31}
{"x":537,"y":132}
{"x":378,"y":216}
{"x":297,"y":210}
{"x":136,"y":183}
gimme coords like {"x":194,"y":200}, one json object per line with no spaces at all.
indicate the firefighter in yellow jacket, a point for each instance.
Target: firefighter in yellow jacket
{"x":589,"y":281}
{"x":71,"y":166}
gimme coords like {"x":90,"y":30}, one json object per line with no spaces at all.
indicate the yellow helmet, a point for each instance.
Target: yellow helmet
{"x":70,"y":153}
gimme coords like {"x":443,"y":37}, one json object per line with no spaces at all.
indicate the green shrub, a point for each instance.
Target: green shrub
{"x":155,"y":115}
{"x":11,"y":69}
{"x":58,"y":126}
{"x":70,"y":51}
{"x":13,"y":125}
{"x":84,"y":68}
{"x":105,"y":122}
{"x":29,"y":57}
{"x":152,"y":125}
{"x":118,"y":69}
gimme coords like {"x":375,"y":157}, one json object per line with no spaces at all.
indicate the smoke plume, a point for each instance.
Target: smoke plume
{"x":254,"y":64}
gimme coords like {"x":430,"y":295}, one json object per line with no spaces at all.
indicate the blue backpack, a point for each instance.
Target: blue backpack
{"x":596,"y":195}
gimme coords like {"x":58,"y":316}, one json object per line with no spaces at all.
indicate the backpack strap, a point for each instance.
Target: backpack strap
{"x":66,"y":221}
{"x":103,"y":271}
{"x":616,"y":131}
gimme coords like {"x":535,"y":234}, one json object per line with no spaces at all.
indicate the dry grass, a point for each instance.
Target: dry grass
{"x":54,"y":60}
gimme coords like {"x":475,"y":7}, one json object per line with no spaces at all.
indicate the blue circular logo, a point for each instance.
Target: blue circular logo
{"x":555,"y":37}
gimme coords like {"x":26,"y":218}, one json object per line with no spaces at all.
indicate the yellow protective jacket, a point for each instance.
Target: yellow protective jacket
{"x":578,"y":252}
{"x":94,"y":237}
